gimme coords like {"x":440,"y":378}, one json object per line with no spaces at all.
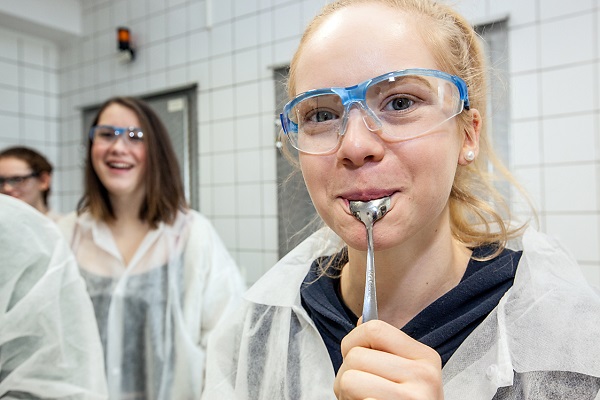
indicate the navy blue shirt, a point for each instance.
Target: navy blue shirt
{"x":443,"y":325}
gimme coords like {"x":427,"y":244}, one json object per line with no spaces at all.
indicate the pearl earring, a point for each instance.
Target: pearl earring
{"x":470,"y":156}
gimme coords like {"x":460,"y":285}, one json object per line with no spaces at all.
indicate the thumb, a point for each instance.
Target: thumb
{"x":360,"y":321}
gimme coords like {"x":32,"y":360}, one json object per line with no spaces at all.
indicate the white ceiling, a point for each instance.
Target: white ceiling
{"x":57,"y":20}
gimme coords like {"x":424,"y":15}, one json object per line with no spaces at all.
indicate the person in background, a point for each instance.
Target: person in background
{"x":27,"y":175}
{"x":49,"y":342}
{"x":158,"y":274}
{"x":388,"y":102}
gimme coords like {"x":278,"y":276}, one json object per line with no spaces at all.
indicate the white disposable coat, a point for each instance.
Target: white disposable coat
{"x":540,"y":342}
{"x":156,"y":313}
{"x":49,"y":343}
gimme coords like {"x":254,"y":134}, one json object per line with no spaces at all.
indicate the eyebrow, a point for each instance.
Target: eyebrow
{"x":410,"y":78}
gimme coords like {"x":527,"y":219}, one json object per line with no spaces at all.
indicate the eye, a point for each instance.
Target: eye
{"x":322,"y":116}
{"x":399,"y":104}
{"x":319,"y":108}
{"x":105,"y":133}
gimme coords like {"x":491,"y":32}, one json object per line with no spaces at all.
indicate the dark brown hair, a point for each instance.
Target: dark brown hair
{"x":164,"y":189}
{"x":37,"y":162}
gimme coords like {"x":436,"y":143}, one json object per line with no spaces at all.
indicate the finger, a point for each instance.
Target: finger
{"x":379,"y":335}
{"x":390,"y":367}
{"x":354,"y":385}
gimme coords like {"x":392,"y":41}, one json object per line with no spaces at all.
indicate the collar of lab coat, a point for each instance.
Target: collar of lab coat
{"x":549,"y":311}
{"x":292,"y":269}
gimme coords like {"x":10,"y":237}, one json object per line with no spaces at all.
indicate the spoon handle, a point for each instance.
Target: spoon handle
{"x":370,"y":300}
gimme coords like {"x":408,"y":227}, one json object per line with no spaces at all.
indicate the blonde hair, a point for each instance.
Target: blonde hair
{"x":479,"y":214}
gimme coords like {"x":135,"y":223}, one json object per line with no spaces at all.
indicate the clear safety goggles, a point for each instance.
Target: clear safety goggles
{"x":107,"y":134}
{"x":403,"y":105}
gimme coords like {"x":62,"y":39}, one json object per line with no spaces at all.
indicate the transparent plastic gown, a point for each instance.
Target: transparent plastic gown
{"x":155,"y":313}
{"x":540,"y":342}
{"x":49,"y":343}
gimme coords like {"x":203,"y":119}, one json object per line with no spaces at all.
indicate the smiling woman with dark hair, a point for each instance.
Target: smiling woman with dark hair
{"x":162,"y":188}
{"x":157,"y":273}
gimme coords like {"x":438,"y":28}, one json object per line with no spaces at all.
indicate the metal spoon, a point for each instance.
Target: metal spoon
{"x":368,"y":212}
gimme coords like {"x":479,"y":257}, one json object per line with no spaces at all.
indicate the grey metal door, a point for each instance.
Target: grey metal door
{"x":297,"y":217}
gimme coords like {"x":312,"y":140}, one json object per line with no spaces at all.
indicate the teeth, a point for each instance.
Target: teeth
{"x":119,"y":165}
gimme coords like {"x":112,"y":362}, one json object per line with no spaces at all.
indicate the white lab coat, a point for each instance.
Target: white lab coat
{"x":156,"y":313}
{"x":548,"y":322}
{"x":49,"y":343}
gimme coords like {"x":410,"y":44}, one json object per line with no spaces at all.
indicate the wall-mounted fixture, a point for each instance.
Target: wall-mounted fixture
{"x":126,"y":51}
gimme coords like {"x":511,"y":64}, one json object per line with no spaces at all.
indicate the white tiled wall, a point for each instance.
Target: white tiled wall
{"x":228,"y":48}
{"x":29,"y":94}
{"x":554,"y":51}
{"x":230,"y":52}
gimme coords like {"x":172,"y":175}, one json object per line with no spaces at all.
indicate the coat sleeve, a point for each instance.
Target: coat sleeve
{"x":49,"y":341}
{"x":222,"y":282}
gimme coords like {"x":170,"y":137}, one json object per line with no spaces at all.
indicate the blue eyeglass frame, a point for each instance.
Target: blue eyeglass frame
{"x":116,"y":129}
{"x":357,"y":93}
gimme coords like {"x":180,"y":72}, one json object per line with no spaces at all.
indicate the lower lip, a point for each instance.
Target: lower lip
{"x":119,"y":170}
{"x":347,"y":202}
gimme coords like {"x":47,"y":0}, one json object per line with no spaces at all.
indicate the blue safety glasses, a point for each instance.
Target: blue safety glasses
{"x":107,"y":134}
{"x":403,"y":105}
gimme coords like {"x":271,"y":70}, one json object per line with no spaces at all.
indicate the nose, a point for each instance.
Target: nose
{"x":120,"y":143}
{"x":361,"y":142}
{"x":6,"y":188}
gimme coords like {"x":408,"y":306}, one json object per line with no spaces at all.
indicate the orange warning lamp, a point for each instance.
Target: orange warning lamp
{"x":126,"y":52}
